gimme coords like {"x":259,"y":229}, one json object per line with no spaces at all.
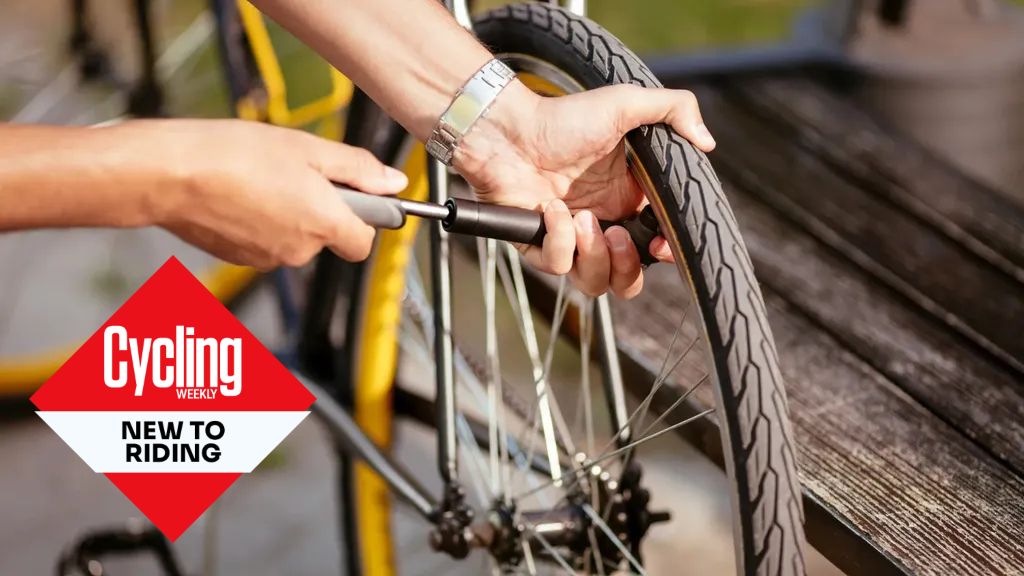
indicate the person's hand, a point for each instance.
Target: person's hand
{"x":261,"y":195}
{"x":566,"y":156}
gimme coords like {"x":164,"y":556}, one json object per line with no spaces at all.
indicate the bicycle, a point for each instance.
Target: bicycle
{"x":537,"y":490}
{"x":256,"y":92}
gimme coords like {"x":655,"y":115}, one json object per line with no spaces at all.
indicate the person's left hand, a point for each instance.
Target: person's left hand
{"x":566,"y":156}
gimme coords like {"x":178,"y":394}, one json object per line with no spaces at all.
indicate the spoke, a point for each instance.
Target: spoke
{"x":661,"y":370}
{"x":562,"y":303}
{"x":531,"y":566}
{"x":561,"y":307}
{"x":477,"y":466}
{"x":421,"y":340}
{"x":487,"y":251}
{"x":640,"y":412}
{"x":615,"y":539}
{"x":646,"y":404}
{"x":506,"y":282}
{"x":580,"y":471}
{"x":680,"y":400}
{"x":595,"y":501}
{"x":675,"y":404}
{"x":533,"y":425}
{"x":672,"y":343}
{"x":595,"y":548}
{"x":416,"y":298}
{"x":586,"y":333}
{"x":544,"y":399}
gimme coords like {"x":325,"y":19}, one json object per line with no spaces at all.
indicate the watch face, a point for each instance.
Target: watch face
{"x":465,"y":109}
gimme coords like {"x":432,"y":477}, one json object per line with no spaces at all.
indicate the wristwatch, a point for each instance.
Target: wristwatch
{"x":469,"y":104}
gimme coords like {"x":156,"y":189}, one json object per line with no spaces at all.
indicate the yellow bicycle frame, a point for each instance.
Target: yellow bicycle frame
{"x":20,"y":376}
{"x":277,"y":111}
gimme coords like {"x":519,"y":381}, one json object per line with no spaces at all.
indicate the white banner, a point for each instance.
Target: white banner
{"x":172,"y":441}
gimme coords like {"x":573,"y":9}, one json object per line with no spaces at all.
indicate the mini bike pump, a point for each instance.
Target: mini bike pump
{"x":462,"y":216}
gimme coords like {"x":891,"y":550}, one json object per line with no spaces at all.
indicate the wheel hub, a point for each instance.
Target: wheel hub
{"x":623,"y":508}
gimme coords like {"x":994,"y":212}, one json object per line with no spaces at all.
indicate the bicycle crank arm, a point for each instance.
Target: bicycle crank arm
{"x":462,"y":216}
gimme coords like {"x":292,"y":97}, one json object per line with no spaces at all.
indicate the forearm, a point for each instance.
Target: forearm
{"x":54,"y":176}
{"x":410,"y":56}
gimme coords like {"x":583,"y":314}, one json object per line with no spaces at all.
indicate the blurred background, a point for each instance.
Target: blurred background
{"x":946,"y":74}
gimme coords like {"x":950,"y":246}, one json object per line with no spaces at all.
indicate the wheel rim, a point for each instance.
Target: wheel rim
{"x":545,"y":78}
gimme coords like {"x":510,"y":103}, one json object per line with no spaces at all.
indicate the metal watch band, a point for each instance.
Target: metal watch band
{"x":468,"y":105}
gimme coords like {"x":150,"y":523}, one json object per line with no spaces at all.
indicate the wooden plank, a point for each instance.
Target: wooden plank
{"x":909,"y":483}
{"x":907,"y":254}
{"x":859,"y":147}
{"x":880,"y":466}
{"x":940,"y":369}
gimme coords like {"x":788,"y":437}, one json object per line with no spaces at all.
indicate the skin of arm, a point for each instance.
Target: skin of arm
{"x":409,"y":56}
{"x":562,"y":155}
{"x":248,"y":193}
{"x":261,"y":195}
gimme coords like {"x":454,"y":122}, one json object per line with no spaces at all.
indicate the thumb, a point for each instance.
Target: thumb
{"x":639,"y":106}
{"x":356,"y":167}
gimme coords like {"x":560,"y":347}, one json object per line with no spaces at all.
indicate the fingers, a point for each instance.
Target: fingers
{"x":602,"y":261}
{"x":346,"y":235}
{"x":626,"y":274}
{"x":353,"y":166}
{"x":660,"y":249}
{"x":678,"y":108}
{"x":593,"y":263}
{"x":556,"y":255}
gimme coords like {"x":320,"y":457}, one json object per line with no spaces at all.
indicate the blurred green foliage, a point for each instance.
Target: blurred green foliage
{"x":646,"y":26}
{"x":306,"y":75}
{"x":657,"y":26}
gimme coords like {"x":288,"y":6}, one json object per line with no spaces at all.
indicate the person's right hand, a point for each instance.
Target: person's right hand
{"x":261,"y":195}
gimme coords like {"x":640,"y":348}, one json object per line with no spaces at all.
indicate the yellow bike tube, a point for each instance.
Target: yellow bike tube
{"x":277,"y":110}
{"x":21,"y":375}
{"x":375,"y":372}
{"x":378,"y":357}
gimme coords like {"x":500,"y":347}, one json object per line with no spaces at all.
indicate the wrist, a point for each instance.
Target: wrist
{"x":164,"y":167}
{"x":499,"y":131}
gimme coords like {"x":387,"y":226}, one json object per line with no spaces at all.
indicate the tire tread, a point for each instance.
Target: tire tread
{"x":752,"y":390}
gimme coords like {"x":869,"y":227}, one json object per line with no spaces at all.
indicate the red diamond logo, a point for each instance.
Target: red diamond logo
{"x":172,"y":399}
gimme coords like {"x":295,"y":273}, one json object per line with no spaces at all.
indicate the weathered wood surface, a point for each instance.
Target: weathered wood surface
{"x":862,"y":233}
{"x":859,"y":147}
{"x":937,"y":368}
{"x":895,"y":292}
{"x":890,"y":476}
{"x":904,"y":252}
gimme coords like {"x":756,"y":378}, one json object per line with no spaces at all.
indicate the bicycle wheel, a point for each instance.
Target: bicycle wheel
{"x":89,"y":272}
{"x":527,"y":474}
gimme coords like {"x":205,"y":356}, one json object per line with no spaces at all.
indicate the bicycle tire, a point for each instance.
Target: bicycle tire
{"x":757,"y":441}
{"x":757,"y":438}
